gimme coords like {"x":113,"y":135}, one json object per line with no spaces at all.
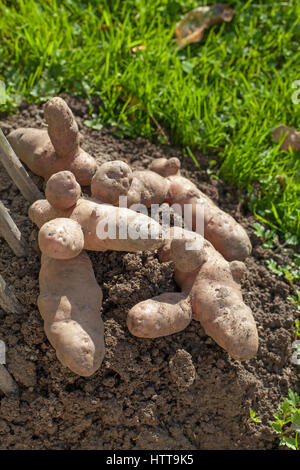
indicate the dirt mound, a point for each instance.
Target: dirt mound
{"x":178,"y":392}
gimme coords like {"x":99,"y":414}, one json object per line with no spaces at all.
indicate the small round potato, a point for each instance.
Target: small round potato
{"x":61,"y":238}
{"x":166,"y":167}
{"x":111,"y":180}
{"x":62,"y":190}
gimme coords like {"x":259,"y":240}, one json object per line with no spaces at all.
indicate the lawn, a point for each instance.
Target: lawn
{"x":222,"y":96}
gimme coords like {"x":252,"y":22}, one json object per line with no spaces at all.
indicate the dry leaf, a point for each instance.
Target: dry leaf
{"x":291,"y":137}
{"x":192,"y":26}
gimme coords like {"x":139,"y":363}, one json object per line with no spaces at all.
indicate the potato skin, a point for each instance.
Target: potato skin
{"x":83,"y":166}
{"x":226,"y":235}
{"x":61,"y":238}
{"x":34,"y":148}
{"x":62,"y":190}
{"x":111,"y":180}
{"x":186,"y":259}
{"x":147,"y":188}
{"x":163,"y":315}
{"x":166,"y":167}
{"x":218,"y":305}
{"x":238,"y":270}
{"x":41,"y":212}
{"x":69,"y":302}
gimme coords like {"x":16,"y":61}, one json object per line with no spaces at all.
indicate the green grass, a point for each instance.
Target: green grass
{"x":222,"y":95}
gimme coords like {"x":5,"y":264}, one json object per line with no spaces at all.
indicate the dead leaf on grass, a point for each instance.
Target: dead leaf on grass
{"x":290,"y":135}
{"x":191,"y":27}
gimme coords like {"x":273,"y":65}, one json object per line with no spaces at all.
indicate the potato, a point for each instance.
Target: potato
{"x":147,"y":188}
{"x":130,"y":231}
{"x":211,"y":291}
{"x":112,"y":180}
{"x":61,"y":238}
{"x":69,"y":302}
{"x":289,"y":136}
{"x":46,"y":153}
{"x":115,"y":179}
{"x":166,"y":167}
{"x":163,"y":315}
{"x":62,"y":128}
{"x":226,"y":235}
{"x":62,"y":190}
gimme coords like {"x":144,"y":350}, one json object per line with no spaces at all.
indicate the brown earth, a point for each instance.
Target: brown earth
{"x":178,"y":392}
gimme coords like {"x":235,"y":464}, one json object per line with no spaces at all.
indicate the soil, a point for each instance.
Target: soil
{"x":178,"y":392}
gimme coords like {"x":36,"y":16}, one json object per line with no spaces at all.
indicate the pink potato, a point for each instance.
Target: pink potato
{"x":62,"y":190}
{"x":69,"y":302}
{"x":46,"y":152}
{"x":211,"y":291}
{"x":61,"y":238}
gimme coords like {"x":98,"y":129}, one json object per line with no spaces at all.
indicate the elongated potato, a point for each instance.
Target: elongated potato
{"x":163,"y":315}
{"x":163,"y":183}
{"x":69,"y":302}
{"x":225,"y":234}
{"x":46,"y":153}
{"x":104,"y":227}
{"x":62,"y":128}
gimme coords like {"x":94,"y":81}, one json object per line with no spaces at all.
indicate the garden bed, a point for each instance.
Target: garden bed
{"x":144,"y":396}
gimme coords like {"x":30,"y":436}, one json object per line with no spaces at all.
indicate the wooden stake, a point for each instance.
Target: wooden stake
{"x":11,"y":233}
{"x":17,"y":172}
{"x":7,"y":384}
{"x":8,"y":300}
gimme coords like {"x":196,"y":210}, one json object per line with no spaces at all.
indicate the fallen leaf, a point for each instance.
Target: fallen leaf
{"x":291,"y":137}
{"x":192,"y":26}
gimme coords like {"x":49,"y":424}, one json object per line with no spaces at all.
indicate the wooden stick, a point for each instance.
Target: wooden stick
{"x":160,"y":129}
{"x":11,"y":233}
{"x":7,"y":384}
{"x":8,"y":300}
{"x":17,"y":172}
